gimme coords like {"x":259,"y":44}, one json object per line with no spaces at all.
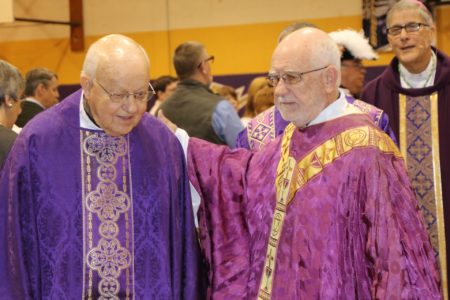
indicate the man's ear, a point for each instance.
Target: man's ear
{"x":202,"y":68}
{"x":40,"y":89}
{"x":330,"y":78}
{"x":433,"y":35}
{"x":86,"y":85}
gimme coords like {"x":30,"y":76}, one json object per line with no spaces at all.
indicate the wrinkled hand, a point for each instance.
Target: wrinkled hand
{"x":166,"y":121}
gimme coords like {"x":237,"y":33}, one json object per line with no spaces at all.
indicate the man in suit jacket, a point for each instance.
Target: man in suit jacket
{"x":41,"y":92}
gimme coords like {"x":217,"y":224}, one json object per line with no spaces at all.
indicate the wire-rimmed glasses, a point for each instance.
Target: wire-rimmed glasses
{"x":141,"y":96}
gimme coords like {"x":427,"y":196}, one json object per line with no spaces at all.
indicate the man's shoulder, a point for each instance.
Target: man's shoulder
{"x":366,"y":107}
{"x":55,"y":119}
{"x":153,"y":129}
{"x":374,"y":87}
{"x":31,"y":105}
{"x":191,"y":95}
{"x":442,"y":57}
{"x":443,"y":69}
{"x":7,"y":134}
{"x":358,"y":131}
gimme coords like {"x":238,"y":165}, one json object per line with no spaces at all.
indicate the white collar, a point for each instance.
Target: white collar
{"x":423,"y":79}
{"x":337,"y":109}
{"x":30,"y":99}
{"x":85,"y":121}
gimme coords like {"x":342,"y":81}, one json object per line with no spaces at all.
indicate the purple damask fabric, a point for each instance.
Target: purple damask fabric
{"x":352,"y":231}
{"x":138,"y":206}
{"x":384,"y":92}
{"x":269,"y":124}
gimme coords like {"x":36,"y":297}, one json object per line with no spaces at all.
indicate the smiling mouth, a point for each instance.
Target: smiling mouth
{"x":407,"y":48}
{"x":126,"y":119}
{"x":287,"y":102}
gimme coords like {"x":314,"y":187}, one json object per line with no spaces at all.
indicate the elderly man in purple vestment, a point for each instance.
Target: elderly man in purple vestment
{"x":263,"y":128}
{"x":94,"y":194}
{"x":414,"y":91}
{"x":325,"y":211}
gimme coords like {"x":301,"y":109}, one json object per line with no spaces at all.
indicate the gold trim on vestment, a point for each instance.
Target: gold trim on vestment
{"x":402,"y":125}
{"x":83,"y":192}
{"x":108,"y":246}
{"x":438,"y":192}
{"x":292,"y":176}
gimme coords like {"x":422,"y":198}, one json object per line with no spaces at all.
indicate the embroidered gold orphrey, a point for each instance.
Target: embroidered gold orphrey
{"x":107,"y":217}
{"x":261,"y":129}
{"x":419,"y":144}
{"x":293,"y":175}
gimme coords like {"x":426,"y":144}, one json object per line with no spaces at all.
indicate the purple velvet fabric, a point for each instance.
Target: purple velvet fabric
{"x":279,"y":124}
{"x":384,"y":93}
{"x":354,"y":231}
{"x":41,"y":214}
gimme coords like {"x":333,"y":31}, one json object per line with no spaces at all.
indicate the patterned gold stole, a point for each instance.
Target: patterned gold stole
{"x":419,"y":143}
{"x":261,"y":129}
{"x":293,"y":175}
{"x":108,"y":245}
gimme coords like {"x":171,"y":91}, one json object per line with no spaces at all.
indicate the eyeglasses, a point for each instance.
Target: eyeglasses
{"x":142,"y":96}
{"x":288,"y":77}
{"x":410,"y":27}
{"x":211,"y":59}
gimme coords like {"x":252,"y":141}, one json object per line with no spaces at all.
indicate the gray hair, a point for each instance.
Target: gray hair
{"x":11,"y":81}
{"x":411,"y":5}
{"x":107,"y":48}
{"x":35,"y":77}
{"x":186,"y":58}
{"x":325,"y":52}
{"x":294,"y":27}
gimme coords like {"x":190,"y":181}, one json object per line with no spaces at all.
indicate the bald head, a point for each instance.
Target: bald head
{"x":305,"y":72}
{"x":311,"y":47}
{"x":115,"y":83}
{"x":109,"y":53}
{"x":294,"y":27}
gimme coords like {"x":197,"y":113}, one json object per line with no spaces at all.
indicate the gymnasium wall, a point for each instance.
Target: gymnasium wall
{"x":241,"y":34}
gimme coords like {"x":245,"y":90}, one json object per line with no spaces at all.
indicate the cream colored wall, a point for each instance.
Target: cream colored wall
{"x":6,"y":11}
{"x":118,"y":16}
{"x":241,"y":34}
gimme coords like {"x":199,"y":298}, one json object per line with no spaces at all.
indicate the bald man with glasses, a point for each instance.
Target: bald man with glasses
{"x":94,"y":194}
{"x":269,"y":124}
{"x":414,"y":91}
{"x":324,"y":211}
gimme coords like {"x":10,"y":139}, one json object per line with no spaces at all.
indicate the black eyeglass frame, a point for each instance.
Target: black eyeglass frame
{"x":409,"y":28}
{"x":211,"y":58}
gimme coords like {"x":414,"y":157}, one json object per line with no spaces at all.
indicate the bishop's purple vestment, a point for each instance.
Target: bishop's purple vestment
{"x":269,"y":124}
{"x":325,"y":212}
{"x":84,"y":215}
{"x":420,"y":118}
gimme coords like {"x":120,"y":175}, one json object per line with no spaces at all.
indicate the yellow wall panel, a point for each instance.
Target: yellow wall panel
{"x":443,"y":28}
{"x":239,"y":49}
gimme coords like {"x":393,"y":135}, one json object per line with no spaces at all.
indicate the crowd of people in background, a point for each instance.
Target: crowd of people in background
{"x":321,"y":186}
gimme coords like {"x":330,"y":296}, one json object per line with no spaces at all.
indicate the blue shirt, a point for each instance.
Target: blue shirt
{"x":226,"y":123}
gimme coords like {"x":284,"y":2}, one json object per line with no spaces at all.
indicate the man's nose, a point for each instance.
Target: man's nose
{"x":280,"y":89}
{"x":403,"y":34}
{"x":130,"y":104}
